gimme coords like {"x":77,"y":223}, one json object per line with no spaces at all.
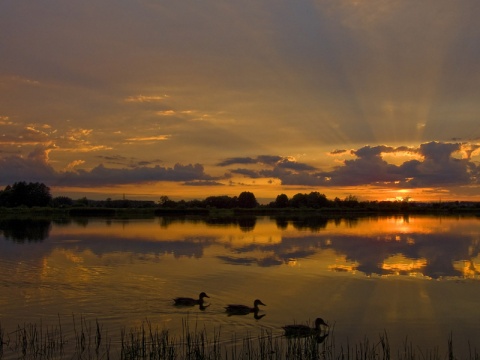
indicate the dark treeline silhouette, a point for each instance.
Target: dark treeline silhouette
{"x":22,"y":194}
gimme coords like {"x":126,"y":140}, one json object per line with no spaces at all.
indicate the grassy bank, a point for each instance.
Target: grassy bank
{"x":213,"y":212}
{"x":89,"y":340}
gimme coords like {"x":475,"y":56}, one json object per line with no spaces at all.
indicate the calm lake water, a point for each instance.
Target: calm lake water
{"x":416,"y":277}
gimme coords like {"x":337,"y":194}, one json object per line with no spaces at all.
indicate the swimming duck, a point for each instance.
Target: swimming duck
{"x":304,"y":330}
{"x":233,"y":309}
{"x":185,"y":301}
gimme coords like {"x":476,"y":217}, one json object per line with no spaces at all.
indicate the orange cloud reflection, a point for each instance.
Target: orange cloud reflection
{"x":469,"y":268}
{"x":400,"y":265}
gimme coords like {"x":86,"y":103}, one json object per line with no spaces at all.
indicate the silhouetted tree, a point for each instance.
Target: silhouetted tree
{"x":62,"y":201}
{"x":247,"y":200}
{"x":163,"y":200}
{"x":221,"y":202}
{"x":195,"y":204}
{"x":299,"y":200}
{"x":166,"y":202}
{"x":23,"y":194}
{"x":316,"y":200}
{"x":312,"y":200}
{"x":281,"y":201}
{"x":82,"y":202}
{"x":5,"y":196}
{"x":337,"y":202}
{"x":351,"y":201}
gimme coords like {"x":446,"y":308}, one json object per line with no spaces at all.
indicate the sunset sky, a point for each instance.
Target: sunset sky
{"x":142,"y":98}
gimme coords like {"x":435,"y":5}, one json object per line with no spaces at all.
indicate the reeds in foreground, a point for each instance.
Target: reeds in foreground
{"x":90,"y":341}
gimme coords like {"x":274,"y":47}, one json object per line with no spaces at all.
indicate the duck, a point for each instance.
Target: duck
{"x":186,"y":301}
{"x":304,"y":330}
{"x":234,"y":309}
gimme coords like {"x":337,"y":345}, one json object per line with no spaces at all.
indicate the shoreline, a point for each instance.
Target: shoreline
{"x":236,"y":212}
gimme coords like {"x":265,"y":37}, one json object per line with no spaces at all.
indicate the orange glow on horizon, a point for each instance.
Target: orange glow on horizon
{"x":264,"y":193}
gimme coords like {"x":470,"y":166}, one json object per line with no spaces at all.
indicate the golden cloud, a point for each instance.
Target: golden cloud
{"x":74,"y":164}
{"x":166,"y":113}
{"x":5,"y":120}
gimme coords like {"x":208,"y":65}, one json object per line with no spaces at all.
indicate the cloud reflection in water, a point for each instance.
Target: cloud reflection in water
{"x":428,"y":246}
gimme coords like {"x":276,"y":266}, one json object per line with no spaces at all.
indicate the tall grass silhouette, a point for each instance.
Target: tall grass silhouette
{"x":89,"y":340}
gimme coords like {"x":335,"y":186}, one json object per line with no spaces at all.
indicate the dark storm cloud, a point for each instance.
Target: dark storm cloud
{"x":115,"y":158}
{"x":237,"y":160}
{"x":101,"y":175}
{"x":146,"y":163}
{"x":293,"y":165}
{"x":272,"y":160}
{"x":130,"y":162}
{"x":33,"y":168}
{"x":269,"y":159}
{"x":438,"y":151}
{"x":261,"y":159}
{"x":203,"y":183}
{"x":338,"y":152}
{"x":437,"y":166}
{"x":370,"y":152}
{"x":367,"y":168}
{"x":36,"y":168}
{"x":246,"y":172}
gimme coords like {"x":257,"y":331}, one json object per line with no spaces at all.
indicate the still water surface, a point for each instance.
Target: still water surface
{"x":417,"y":277}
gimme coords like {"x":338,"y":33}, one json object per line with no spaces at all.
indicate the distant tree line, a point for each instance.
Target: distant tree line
{"x":38,"y":194}
{"x":23,"y":194}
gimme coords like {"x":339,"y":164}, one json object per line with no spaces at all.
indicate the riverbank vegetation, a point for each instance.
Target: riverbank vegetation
{"x":36,"y":197}
{"x":90,"y":340}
